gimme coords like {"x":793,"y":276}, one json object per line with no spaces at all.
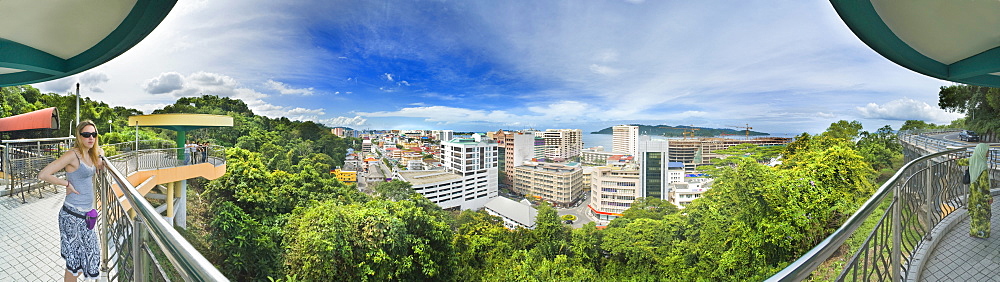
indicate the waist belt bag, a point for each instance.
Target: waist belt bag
{"x":91,"y":218}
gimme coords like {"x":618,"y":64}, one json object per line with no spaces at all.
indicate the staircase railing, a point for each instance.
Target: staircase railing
{"x":895,"y":222}
{"x":137,"y":243}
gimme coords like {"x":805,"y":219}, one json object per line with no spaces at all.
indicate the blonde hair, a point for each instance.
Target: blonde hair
{"x":93,"y":152}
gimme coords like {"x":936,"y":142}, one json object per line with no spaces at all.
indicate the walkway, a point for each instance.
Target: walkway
{"x":29,"y":232}
{"x":960,"y":257}
{"x":29,"y":237}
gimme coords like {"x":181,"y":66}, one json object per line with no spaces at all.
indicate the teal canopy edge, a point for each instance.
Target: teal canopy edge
{"x":864,"y":21}
{"x":40,"y":66}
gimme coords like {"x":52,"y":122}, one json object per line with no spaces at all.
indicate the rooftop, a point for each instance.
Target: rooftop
{"x":521,"y":212}
{"x":426,"y":177}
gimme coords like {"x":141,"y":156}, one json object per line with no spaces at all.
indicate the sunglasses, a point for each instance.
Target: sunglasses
{"x":88,"y":134}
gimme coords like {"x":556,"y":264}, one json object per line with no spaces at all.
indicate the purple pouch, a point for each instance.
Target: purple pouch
{"x":91,"y":218}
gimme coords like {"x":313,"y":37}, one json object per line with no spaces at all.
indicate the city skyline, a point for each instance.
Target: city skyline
{"x":481,"y":66}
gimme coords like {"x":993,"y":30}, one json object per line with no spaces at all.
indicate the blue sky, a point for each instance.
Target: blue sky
{"x":780,"y":66}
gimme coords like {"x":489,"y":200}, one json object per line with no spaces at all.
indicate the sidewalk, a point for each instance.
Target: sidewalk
{"x":960,"y":257}
{"x":29,"y":237}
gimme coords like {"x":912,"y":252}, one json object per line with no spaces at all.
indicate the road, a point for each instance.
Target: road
{"x":582,"y":212}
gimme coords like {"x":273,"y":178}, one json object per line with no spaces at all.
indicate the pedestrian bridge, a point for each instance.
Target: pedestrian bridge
{"x":915,"y":227}
{"x":138,"y":240}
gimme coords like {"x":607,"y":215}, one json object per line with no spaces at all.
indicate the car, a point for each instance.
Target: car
{"x":968,"y":135}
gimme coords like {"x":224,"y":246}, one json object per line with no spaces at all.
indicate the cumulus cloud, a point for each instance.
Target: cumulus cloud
{"x":206,"y":83}
{"x":164,"y":83}
{"x":388,"y":76}
{"x":93,"y":80}
{"x":907,"y":109}
{"x":284,"y":89}
{"x":345,"y":121}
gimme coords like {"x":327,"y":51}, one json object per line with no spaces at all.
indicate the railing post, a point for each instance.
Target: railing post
{"x":138,"y":261}
{"x":896,"y":253}
{"x":928,"y":179}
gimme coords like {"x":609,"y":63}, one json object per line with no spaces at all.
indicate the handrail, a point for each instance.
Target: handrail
{"x":809,"y":262}
{"x":192,"y":265}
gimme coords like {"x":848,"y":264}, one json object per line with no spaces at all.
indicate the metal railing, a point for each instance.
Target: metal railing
{"x":135,"y":241}
{"x":22,"y":159}
{"x":890,"y":227}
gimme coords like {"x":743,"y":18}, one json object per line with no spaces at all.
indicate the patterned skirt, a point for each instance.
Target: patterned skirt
{"x":78,"y":244}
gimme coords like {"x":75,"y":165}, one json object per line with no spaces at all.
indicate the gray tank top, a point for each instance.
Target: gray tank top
{"x":83,"y":181}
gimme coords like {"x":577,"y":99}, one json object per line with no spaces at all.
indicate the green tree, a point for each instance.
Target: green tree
{"x":844,"y":130}
{"x":252,"y":249}
{"x":376,"y":241}
{"x":394,"y":190}
{"x":981,"y":106}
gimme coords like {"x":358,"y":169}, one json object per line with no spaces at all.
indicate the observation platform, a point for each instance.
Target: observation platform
{"x":960,"y":257}
{"x":29,"y":231}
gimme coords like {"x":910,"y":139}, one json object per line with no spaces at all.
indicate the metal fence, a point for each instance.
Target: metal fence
{"x":22,"y":160}
{"x":895,"y":222}
{"x":138,"y":244}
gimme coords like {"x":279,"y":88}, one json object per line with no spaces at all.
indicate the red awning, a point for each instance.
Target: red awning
{"x":40,"y":119}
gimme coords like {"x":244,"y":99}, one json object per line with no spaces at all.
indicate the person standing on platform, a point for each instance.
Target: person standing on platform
{"x":188,"y":148}
{"x":204,"y":151}
{"x":77,"y":238}
{"x":980,"y":201}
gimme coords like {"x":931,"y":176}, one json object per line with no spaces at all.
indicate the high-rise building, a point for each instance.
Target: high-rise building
{"x":561,"y":144}
{"x":444,"y":135}
{"x":701,"y":151}
{"x":515,"y":148}
{"x":625,"y":139}
{"x":366,"y":146}
{"x":652,"y":158}
{"x":474,"y":162}
{"x":613,"y":189}
{"x":557,"y":183}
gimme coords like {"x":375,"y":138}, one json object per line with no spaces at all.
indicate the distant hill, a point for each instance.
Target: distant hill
{"x":678,"y":131}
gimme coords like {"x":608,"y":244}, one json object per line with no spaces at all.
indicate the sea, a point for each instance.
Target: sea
{"x":593,"y":140}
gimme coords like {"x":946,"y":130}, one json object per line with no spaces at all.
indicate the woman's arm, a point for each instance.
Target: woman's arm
{"x":47,"y":173}
{"x":99,"y":162}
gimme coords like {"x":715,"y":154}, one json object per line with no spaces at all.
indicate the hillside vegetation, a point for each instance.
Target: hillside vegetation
{"x":279,"y":214}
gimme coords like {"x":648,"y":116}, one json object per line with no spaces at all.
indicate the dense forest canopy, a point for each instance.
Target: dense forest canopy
{"x":279,"y":214}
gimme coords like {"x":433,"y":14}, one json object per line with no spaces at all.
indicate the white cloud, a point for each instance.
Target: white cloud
{"x":164,"y":83}
{"x":564,"y":109}
{"x":604,"y":70}
{"x":444,"y":114}
{"x":285,"y":90}
{"x":388,"y":76}
{"x":907,"y":109}
{"x":206,"y":83}
{"x":345,"y":121}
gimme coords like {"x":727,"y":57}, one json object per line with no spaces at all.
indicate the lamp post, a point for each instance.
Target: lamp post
{"x":77,"y":105}
{"x":109,"y":126}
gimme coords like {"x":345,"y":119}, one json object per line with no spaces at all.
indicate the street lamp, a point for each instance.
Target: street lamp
{"x":109,"y":126}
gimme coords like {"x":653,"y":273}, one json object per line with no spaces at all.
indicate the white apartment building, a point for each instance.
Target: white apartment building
{"x":561,"y":144}
{"x":682,"y":193}
{"x":625,"y":139}
{"x":443,"y":135}
{"x":469,"y":179}
{"x":556,"y":183}
{"x":514,"y":214}
{"x":613,"y":189}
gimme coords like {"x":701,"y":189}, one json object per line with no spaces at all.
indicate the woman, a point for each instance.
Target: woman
{"x":78,"y":243}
